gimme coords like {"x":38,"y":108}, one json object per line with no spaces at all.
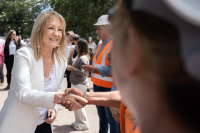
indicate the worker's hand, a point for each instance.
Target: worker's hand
{"x":87,"y":68}
{"x":115,"y":113}
{"x":75,"y":91}
{"x":76,"y":102}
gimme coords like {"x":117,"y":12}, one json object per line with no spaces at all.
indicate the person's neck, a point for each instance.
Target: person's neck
{"x":169,"y":123}
{"x":153,"y":113}
{"x":46,"y":53}
{"x":103,"y":40}
{"x":161,"y":116}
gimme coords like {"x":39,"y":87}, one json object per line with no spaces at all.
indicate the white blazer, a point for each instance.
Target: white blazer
{"x":20,"y":112}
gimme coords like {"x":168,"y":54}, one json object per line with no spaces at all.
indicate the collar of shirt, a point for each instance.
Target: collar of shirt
{"x":107,"y":40}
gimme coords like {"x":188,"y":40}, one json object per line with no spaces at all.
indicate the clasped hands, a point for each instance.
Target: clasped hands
{"x":72,"y":99}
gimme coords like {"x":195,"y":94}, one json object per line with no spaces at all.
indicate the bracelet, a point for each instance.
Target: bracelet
{"x":84,"y":96}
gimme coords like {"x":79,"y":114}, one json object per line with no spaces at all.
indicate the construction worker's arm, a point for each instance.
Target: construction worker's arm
{"x":109,"y":99}
{"x":88,"y":68}
{"x":103,"y":70}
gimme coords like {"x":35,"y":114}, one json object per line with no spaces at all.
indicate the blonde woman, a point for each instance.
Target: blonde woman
{"x":37,"y":79}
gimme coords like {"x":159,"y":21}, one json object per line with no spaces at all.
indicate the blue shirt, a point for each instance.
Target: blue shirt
{"x":105,"y":70}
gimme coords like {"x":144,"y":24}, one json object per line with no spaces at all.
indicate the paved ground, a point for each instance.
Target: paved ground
{"x":64,"y":117}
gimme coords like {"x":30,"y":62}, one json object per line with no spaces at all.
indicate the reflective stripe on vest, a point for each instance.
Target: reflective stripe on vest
{"x":110,"y":79}
{"x":102,"y":60}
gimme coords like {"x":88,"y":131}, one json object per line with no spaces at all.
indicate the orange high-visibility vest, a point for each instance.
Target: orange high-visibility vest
{"x":102,"y":60}
{"x":127,"y":122}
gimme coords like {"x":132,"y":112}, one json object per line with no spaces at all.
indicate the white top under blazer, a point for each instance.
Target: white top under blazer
{"x":20,"y":112}
{"x":49,"y":86}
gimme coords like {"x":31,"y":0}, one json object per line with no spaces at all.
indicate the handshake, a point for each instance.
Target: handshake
{"x":72,"y":99}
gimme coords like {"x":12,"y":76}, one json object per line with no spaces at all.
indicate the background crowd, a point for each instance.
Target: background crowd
{"x":145,"y":71}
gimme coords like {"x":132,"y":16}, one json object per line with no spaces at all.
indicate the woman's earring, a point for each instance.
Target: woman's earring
{"x":38,"y":48}
{"x":58,"y":45}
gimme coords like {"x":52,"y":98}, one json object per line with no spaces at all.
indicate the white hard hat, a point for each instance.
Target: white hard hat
{"x":103,"y":20}
{"x":187,"y":9}
{"x":185,"y":15}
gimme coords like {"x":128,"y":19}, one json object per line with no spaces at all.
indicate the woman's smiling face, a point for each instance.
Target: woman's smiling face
{"x":52,"y":33}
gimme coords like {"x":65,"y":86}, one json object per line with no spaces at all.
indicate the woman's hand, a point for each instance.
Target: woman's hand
{"x":75,"y":91}
{"x":75,"y":101}
{"x":71,"y":68}
{"x":51,"y":116}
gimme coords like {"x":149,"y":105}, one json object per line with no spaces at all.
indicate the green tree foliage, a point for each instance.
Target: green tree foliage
{"x":80,"y":15}
{"x":19,"y":15}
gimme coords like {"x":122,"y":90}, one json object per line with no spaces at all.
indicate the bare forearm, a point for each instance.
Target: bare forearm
{"x":109,"y":99}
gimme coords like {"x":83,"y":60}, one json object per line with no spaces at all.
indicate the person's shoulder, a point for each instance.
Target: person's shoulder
{"x":26,"y":51}
{"x":83,"y":57}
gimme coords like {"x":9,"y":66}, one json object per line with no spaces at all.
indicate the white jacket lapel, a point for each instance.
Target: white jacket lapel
{"x":57,"y":72}
{"x":40,"y":77}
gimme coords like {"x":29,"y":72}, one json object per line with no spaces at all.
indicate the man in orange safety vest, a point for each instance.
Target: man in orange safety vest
{"x":101,"y":72}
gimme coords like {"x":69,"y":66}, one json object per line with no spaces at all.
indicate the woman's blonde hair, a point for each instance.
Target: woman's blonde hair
{"x":36,"y":35}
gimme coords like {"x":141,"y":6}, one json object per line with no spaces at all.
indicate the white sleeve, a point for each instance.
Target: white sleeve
{"x":22,"y":81}
{"x":59,"y":90}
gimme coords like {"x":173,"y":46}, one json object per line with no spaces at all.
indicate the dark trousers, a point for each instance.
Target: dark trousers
{"x":118,"y":127}
{"x":9,"y":66}
{"x":68,"y":78}
{"x":105,"y":115}
{"x":43,"y":128}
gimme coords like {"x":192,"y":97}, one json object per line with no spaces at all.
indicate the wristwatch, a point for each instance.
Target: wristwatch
{"x":92,"y":70}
